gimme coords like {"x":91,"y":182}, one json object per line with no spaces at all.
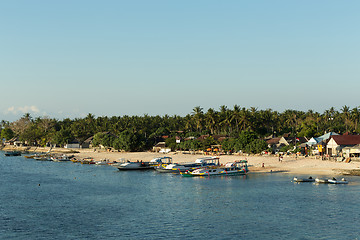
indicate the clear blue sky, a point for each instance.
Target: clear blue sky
{"x":70,"y":58}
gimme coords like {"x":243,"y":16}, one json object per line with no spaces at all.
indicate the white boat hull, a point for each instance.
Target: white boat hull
{"x":337,"y":181}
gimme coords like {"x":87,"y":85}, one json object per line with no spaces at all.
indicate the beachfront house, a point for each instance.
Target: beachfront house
{"x":160,"y":147}
{"x":87,"y":143}
{"x":338,"y":142}
{"x":15,"y":142}
{"x":318,"y":144}
{"x":276,"y":143}
{"x":315,"y":140}
{"x":352,"y":152}
{"x":73,"y":144}
{"x":273,"y":143}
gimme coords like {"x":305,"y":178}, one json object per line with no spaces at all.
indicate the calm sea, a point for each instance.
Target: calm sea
{"x":51,"y":200}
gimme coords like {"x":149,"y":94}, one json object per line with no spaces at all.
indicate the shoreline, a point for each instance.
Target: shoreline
{"x":289,"y":164}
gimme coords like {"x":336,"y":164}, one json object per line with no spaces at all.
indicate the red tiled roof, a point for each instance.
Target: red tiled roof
{"x":346,"y":139}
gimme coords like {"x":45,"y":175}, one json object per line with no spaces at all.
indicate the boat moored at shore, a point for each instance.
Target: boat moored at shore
{"x":199,"y":163}
{"x":230,"y":168}
{"x":310,"y":179}
{"x":335,"y":181}
{"x":12,"y":153}
{"x":321,"y":180}
{"x":138,"y":165}
{"x":165,"y":164}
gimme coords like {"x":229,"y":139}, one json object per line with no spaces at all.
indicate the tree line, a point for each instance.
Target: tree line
{"x":246,"y":128}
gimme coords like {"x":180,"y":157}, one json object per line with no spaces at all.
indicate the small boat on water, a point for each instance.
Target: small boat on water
{"x":310,"y":179}
{"x":199,"y":163}
{"x":138,"y":165}
{"x":42,"y":157}
{"x":87,"y":160}
{"x":102,"y":162}
{"x":230,"y":168}
{"x":321,"y":180}
{"x":60,"y":158}
{"x":165,"y":165}
{"x":75,"y":160}
{"x":12,"y":154}
{"x":160,"y":160}
{"x":335,"y":181}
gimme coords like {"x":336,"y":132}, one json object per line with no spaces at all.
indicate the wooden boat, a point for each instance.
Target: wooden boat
{"x":334,"y":181}
{"x":75,"y":160}
{"x":230,"y":168}
{"x":12,"y":154}
{"x":87,"y":160}
{"x":125,"y":165}
{"x":134,"y":166}
{"x":310,"y":179}
{"x":42,"y":158}
{"x":102,"y":162}
{"x":199,"y":163}
{"x":60,"y":158}
{"x":165,"y":164}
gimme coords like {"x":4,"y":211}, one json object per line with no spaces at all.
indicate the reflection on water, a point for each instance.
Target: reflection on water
{"x":75,"y":201}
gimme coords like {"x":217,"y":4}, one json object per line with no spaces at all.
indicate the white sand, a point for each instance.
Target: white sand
{"x":300,"y":165}
{"x":290,"y":164}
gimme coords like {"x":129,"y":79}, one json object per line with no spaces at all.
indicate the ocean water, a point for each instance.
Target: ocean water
{"x":52,"y":200}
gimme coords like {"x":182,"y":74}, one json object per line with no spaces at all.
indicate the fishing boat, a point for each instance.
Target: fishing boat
{"x":160,"y":160}
{"x":230,"y":168}
{"x":102,"y":162}
{"x":166,"y":165}
{"x":310,"y":179}
{"x":60,"y":158}
{"x":87,"y":160}
{"x":75,"y":160}
{"x":12,"y":154}
{"x":42,"y":158}
{"x":334,"y":181}
{"x":199,"y":163}
{"x":138,"y":165}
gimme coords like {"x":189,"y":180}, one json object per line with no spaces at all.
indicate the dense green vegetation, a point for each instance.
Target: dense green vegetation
{"x":246,"y":128}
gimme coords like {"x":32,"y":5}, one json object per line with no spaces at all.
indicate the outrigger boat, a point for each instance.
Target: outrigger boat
{"x":199,"y":163}
{"x":165,"y":165}
{"x":160,"y":161}
{"x":102,"y":162}
{"x":61,"y":158}
{"x":138,"y":165}
{"x":230,"y":168}
{"x":87,"y":160}
{"x":42,"y":158}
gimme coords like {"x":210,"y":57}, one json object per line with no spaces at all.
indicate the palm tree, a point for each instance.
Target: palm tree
{"x":354,"y":116}
{"x":346,"y":112}
{"x":236,"y":115}
{"x":244,"y":119}
{"x":198,"y":117}
{"x":225,"y":119}
{"x":210,"y":119}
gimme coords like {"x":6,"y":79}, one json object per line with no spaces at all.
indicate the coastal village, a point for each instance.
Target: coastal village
{"x":328,"y":146}
{"x":329,"y":154}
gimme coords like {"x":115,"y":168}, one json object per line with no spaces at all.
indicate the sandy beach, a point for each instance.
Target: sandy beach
{"x":301,"y":165}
